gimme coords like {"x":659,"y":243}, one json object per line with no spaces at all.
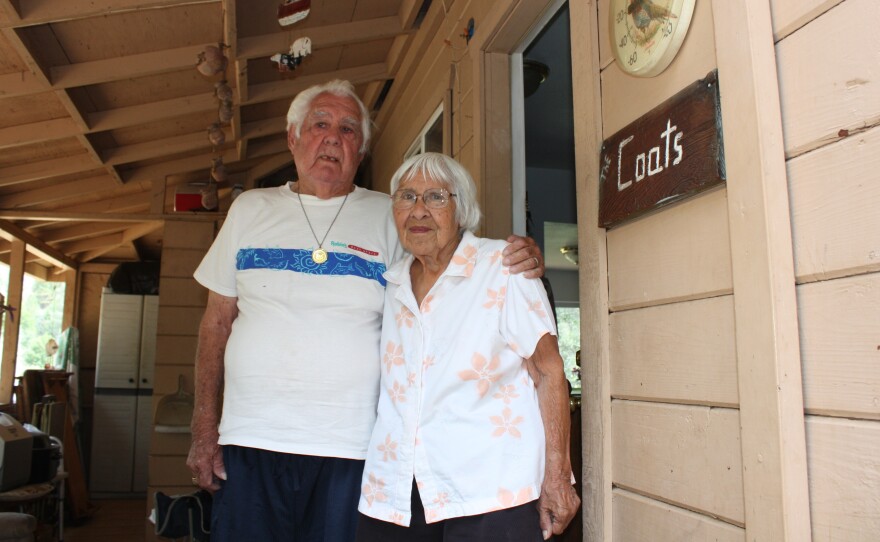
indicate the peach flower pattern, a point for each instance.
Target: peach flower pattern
{"x":504,"y":424}
{"x":428,"y":362}
{"x":442,"y":499}
{"x":482,"y":372}
{"x":495,"y":299}
{"x":397,"y":393}
{"x":508,"y":499}
{"x":426,"y":304}
{"x":468,"y":258}
{"x":388,"y":449}
{"x":506,"y":393}
{"x":404,"y":318}
{"x":393,"y":355}
{"x":396,"y":518}
{"x":374,"y":490}
{"x":538,"y":308}
{"x":411,"y":379}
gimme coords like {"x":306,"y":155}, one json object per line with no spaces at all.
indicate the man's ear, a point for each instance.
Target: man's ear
{"x":291,"y":138}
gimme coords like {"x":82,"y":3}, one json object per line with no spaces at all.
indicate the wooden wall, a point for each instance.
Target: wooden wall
{"x":829,"y":80}
{"x":181,"y":303}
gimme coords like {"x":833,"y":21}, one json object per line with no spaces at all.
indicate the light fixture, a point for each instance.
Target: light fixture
{"x":570,"y":254}
{"x":534,"y":73}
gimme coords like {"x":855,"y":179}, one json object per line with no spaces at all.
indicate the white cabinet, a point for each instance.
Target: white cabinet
{"x":122,"y":417}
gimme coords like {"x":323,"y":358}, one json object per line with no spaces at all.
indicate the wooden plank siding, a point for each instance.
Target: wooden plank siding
{"x":830,"y":95}
{"x":677,"y":353}
{"x":639,"y":518}
{"x":181,"y":305}
{"x":831,"y":108}
{"x":685,"y":455}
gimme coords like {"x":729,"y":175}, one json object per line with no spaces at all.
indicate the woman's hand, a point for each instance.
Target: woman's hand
{"x":557,"y":506}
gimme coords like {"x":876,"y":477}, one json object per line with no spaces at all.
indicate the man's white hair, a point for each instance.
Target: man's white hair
{"x":301,"y":104}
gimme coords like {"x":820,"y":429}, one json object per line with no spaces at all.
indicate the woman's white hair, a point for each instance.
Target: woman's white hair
{"x":442,"y":168}
{"x":301,"y":104}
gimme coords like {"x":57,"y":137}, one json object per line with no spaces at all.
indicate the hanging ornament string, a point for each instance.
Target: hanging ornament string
{"x":319,"y":255}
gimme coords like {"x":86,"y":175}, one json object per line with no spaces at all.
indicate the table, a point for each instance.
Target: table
{"x":34,"y":498}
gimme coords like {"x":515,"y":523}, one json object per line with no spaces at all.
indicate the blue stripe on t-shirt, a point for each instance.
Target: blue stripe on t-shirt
{"x":300,"y":261}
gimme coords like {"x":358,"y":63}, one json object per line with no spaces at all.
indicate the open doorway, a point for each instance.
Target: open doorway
{"x":544,"y":191}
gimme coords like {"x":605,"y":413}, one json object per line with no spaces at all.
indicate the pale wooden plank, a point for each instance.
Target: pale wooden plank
{"x":626,"y":98}
{"x":790,"y":15}
{"x":11,"y":324}
{"x":192,"y":235}
{"x":678,"y":254}
{"x":835,"y":223}
{"x":826,"y":90}
{"x":677,"y":353}
{"x":592,"y":279}
{"x":179,"y":262}
{"x":844,"y":463}
{"x":768,"y":357}
{"x":43,"y":11}
{"x":175,"y":349}
{"x":640,"y":518}
{"x":179,"y":320}
{"x":182,"y":292}
{"x":685,"y":455}
{"x":839,"y":321}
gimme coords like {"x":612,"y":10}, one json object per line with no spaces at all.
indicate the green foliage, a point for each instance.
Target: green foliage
{"x":568,"y":321}
{"x":42,"y":307}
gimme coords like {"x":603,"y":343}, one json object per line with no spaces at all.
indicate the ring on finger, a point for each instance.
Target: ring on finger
{"x":537,"y":263}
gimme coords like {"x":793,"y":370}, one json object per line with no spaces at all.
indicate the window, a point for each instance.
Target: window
{"x":41,"y":311}
{"x":430,"y":139}
{"x":568,"y":322}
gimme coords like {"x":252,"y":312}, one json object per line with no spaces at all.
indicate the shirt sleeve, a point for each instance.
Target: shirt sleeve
{"x":526,"y":315}
{"x":217,"y":270}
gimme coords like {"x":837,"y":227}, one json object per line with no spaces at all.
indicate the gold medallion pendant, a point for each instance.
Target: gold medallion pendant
{"x":319,"y":255}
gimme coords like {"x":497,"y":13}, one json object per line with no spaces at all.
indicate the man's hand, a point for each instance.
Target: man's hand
{"x":205,"y":460}
{"x":522,"y":255}
{"x":557,"y":506}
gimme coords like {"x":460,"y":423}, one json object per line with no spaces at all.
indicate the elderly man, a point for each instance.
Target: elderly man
{"x":289,"y":343}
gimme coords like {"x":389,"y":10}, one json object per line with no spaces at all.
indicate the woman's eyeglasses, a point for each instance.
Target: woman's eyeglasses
{"x":434,"y":198}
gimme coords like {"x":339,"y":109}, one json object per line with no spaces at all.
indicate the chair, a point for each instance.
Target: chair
{"x":16,"y":527}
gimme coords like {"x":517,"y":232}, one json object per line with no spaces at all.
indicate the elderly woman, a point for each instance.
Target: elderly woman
{"x":473,"y":423}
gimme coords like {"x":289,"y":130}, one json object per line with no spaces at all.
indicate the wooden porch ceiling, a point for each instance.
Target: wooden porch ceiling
{"x":103,"y":114}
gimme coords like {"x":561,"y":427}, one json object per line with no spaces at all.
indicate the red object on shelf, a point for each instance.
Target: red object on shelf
{"x":187,"y":198}
{"x":293,"y":11}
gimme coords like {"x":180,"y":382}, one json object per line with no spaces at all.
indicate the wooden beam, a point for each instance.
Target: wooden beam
{"x":12,"y":320}
{"x":37,"y":246}
{"x":181,"y":165}
{"x":47,"y":130}
{"x":134,"y":115}
{"x":777,"y":505}
{"x":34,"y":12}
{"x":323,"y":37}
{"x":68,"y":317}
{"x":409,"y":10}
{"x":58,"y":192}
{"x":80,"y":231}
{"x":34,"y":171}
{"x":593,"y":278}
{"x":63,"y":216}
{"x":20,"y":84}
{"x":161,"y":147}
{"x":125,"y":67}
{"x":286,"y":90}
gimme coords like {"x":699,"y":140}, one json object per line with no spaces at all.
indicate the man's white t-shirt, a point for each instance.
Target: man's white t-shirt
{"x":302,"y":361}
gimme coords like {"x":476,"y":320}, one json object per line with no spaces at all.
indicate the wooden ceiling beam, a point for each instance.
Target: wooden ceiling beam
{"x":126,"y":237}
{"x":47,"y":130}
{"x":34,"y":12}
{"x":125,"y":67}
{"x":409,"y":10}
{"x":125,"y":117}
{"x":81,"y":231}
{"x":161,"y":147}
{"x":57,"y":192}
{"x":35,"y":245}
{"x":286,"y":90}
{"x":270,"y":165}
{"x":45,"y":169}
{"x":323,"y":37}
{"x":230,"y":37}
{"x":180,"y":165}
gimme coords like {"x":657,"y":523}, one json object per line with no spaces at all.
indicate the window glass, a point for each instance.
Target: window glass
{"x":568,"y":322}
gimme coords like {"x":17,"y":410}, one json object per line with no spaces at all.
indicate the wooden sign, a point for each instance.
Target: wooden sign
{"x":669,"y":154}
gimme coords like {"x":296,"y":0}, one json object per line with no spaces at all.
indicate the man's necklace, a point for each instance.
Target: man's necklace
{"x":319,"y":255}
